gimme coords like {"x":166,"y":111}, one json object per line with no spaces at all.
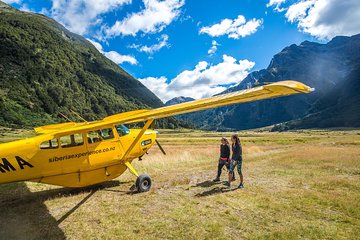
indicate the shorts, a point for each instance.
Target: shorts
{"x":234,"y":163}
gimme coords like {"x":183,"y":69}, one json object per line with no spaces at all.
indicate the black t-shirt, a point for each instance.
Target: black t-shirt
{"x":236,"y":152}
{"x":224,"y":151}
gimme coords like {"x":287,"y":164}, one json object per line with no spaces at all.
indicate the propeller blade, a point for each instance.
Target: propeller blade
{"x":162,"y":150}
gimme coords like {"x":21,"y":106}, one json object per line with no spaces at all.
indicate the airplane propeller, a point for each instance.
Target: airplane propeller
{"x":162,"y":150}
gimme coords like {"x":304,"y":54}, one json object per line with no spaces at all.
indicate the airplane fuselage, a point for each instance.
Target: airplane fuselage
{"x":78,"y":159}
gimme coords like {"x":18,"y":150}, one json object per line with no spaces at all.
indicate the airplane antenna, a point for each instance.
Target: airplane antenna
{"x":65,"y":117}
{"x":78,"y":115}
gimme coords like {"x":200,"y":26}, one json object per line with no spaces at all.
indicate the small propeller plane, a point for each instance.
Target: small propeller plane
{"x":79,"y":154}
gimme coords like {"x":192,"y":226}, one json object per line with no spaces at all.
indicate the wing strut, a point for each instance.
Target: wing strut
{"x":141,"y":133}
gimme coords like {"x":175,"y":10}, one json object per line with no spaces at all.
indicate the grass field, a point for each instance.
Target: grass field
{"x":298,"y":185}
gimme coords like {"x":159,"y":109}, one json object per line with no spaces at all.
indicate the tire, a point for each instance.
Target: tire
{"x":143,"y":183}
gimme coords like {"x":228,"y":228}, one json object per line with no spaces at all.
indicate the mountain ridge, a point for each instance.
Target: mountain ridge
{"x":322,"y":66}
{"x":46,"y":70}
{"x":177,"y":100}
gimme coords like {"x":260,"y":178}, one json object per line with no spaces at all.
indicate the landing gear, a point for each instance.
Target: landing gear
{"x":143,"y":183}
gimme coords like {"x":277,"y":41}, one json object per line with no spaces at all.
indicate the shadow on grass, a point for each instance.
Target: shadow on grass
{"x":24,"y":215}
{"x":216,"y":190}
{"x":66,"y":215}
{"x":131,"y":191}
{"x":26,"y":219}
{"x":206,"y":184}
{"x":55,"y":193}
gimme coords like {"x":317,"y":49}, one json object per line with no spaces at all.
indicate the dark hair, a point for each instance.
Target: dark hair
{"x":225,"y":140}
{"x":236,"y":137}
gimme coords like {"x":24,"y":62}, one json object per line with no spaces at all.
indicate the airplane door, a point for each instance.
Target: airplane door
{"x":126,"y":138}
{"x":64,"y":154}
{"x":103,"y":147}
{"x":72,"y":149}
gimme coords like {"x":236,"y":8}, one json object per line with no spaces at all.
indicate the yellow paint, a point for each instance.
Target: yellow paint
{"x":90,"y":157}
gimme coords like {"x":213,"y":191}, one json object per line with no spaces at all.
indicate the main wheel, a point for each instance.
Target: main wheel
{"x":143,"y":183}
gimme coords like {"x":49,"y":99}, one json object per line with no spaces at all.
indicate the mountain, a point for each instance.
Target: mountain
{"x":46,"y":70}
{"x":332,"y":69}
{"x":178,"y":100}
{"x":339,"y":108}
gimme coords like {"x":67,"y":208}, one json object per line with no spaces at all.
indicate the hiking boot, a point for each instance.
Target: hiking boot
{"x":216,"y":180}
{"x":241,"y":186}
{"x":227,"y":184}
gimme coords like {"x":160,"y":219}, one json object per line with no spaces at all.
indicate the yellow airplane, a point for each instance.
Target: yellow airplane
{"x":82,"y":154}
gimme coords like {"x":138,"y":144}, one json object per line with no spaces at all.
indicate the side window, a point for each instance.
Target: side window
{"x":107,"y":133}
{"x":122,"y":130}
{"x":71,"y":140}
{"x":50,"y":144}
{"x":94,"y":137}
{"x":100,"y":135}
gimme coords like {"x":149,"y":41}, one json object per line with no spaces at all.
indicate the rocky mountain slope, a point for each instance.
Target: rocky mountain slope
{"x":46,"y":70}
{"x":332,"y":69}
{"x":178,"y":100}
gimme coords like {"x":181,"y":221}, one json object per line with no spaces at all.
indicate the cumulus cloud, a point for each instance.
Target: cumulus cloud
{"x":236,"y":28}
{"x":12,"y":1}
{"x":324,"y":19}
{"x":213,"y":48}
{"x":276,"y":4}
{"x":114,"y":56}
{"x":119,"y":59}
{"x":299,"y":10}
{"x":79,"y":15}
{"x":163,"y":42}
{"x":153,"y":18}
{"x":203,"y":81}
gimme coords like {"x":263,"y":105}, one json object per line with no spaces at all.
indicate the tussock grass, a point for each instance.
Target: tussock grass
{"x":298,"y":185}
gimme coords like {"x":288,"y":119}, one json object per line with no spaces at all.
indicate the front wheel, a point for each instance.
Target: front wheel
{"x":143,"y":183}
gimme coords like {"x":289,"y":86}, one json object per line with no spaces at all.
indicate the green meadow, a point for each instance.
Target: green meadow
{"x":298,"y":185}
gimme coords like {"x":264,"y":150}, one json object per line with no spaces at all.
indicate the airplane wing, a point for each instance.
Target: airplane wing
{"x":277,"y":89}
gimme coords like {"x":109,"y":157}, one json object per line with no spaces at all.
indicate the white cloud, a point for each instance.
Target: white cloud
{"x":235,"y":29}
{"x":213,"y":48}
{"x":44,"y":11}
{"x":276,"y":4}
{"x":153,"y":18}
{"x":96,"y":44}
{"x":12,"y":1}
{"x":203,"y":81}
{"x":323,"y":19}
{"x":163,"y":42}
{"x":299,"y":10}
{"x":25,"y":8}
{"x":119,"y":59}
{"x":79,"y":15}
{"x":114,"y":56}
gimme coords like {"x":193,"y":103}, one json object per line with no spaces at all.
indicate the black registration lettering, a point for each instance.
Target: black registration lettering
{"x":6,"y":166}
{"x":22,"y":162}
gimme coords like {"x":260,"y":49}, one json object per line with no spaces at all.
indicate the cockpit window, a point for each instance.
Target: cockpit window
{"x":71,"y":140}
{"x":100,"y":135}
{"x":107,"y":133}
{"x":50,"y":144}
{"x":122,"y":130}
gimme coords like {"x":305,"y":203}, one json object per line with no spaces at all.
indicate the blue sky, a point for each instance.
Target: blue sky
{"x":197,"y":48}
